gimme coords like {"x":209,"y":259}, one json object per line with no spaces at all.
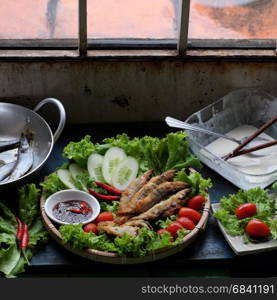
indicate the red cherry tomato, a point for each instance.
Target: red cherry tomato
{"x":186,"y":223}
{"x":173,"y":228}
{"x":257,"y":229}
{"x":104,"y":216}
{"x":246,"y":210}
{"x":196,"y":202}
{"x":90,"y":227}
{"x":190,"y":213}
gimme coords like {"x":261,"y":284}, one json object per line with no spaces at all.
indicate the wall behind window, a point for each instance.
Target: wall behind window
{"x":120,"y":91}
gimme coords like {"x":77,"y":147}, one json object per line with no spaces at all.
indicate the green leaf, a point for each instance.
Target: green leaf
{"x":7,"y":220}
{"x":164,"y":223}
{"x":29,"y":197}
{"x":196,"y":182}
{"x":52,"y":185}
{"x":273,"y":228}
{"x":113,"y":207}
{"x":80,"y":151}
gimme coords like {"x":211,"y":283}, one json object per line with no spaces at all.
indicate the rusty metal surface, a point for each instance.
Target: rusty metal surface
{"x":113,"y":91}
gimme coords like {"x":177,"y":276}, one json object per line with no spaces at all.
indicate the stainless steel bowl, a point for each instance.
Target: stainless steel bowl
{"x":13,"y":119}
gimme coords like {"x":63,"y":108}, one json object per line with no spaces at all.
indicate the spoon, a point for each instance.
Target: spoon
{"x":183,"y":125}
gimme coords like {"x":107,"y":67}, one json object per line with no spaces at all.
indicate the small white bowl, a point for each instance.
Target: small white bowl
{"x":67,"y":195}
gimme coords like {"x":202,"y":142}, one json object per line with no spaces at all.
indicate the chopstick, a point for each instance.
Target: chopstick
{"x":256,"y":148}
{"x":250,"y":138}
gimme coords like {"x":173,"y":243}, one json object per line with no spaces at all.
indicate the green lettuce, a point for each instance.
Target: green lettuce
{"x":144,"y":243}
{"x":52,"y":184}
{"x":165,"y":222}
{"x":80,"y":151}
{"x":113,"y":207}
{"x":77,"y":238}
{"x":159,"y":155}
{"x":197,"y":184}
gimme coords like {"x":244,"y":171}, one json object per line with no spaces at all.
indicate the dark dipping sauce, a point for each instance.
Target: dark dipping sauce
{"x":72,"y":211}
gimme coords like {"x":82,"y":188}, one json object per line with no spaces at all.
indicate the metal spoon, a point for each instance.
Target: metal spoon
{"x":183,"y":125}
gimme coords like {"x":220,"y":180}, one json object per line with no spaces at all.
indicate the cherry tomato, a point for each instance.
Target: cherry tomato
{"x":246,"y":210}
{"x":257,"y":229}
{"x":90,"y":227}
{"x":186,"y":223}
{"x":196,"y":202}
{"x":190,"y":213}
{"x":173,"y":228}
{"x":104,"y":216}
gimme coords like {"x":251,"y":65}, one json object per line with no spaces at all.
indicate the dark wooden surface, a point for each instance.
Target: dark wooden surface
{"x":208,"y":256}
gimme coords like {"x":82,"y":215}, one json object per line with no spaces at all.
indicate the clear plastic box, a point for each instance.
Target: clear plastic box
{"x":244,"y":106}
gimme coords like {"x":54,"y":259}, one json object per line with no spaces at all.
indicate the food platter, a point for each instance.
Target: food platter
{"x":237,"y":242}
{"x":113,"y":258}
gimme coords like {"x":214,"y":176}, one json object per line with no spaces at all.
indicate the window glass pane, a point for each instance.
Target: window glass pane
{"x":38,"y":19}
{"x":132,"y":19}
{"x":233,"y":19}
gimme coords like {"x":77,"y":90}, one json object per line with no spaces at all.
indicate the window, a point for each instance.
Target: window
{"x":233,"y":23}
{"x":131,"y":24}
{"x":143,"y":19}
{"x":233,"y":19}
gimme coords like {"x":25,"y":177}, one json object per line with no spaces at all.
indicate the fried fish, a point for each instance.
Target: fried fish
{"x":130,"y":207}
{"x":158,"y":194}
{"x":131,"y":189}
{"x":165,"y":208}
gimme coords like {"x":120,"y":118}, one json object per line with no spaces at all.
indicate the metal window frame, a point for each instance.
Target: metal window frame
{"x":180,"y":47}
{"x":83,"y":34}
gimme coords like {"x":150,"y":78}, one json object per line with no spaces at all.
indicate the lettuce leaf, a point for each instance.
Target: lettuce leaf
{"x":77,"y":238}
{"x":28,"y":203}
{"x":80,"y":151}
{"x":144,"y":243}
{"x":52,"y":184}
{"x":113,"y":207}
{"x":198,"y":185}
{"x":171,"y":152}
{"x":164,"y":223}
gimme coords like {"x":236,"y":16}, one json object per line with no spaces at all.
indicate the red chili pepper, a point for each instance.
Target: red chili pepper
{"x":25,"y":237}
{"x":19,"y":232}
{"x":103,"y":197}
{"x":83,"y":205}
{"x":25,"y":242}
{"x":75,"y":210}
{"x":85,"y":208}
{"x":109,"y":188}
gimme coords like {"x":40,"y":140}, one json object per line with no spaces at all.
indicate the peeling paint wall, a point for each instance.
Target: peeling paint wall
{"x":112,"y":91}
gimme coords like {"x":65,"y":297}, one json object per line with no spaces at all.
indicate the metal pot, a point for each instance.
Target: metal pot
{"x":13,"y":118}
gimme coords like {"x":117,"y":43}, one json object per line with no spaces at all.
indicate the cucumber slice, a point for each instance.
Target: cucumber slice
{"x":94,"y":165}
{"x":113,"y":157}
{"x":66,"y":179}
{"x":125,"y":172}
{"x":75,"y":170}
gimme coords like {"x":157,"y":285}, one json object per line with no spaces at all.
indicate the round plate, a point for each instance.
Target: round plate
{"x":113,"y":258}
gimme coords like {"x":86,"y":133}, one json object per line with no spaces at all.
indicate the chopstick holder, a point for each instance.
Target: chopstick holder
{"x":237,"y":151}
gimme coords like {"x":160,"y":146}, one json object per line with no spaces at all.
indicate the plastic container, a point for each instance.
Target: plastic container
{"x":244,"y":106}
